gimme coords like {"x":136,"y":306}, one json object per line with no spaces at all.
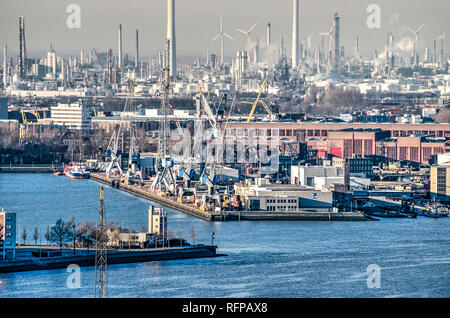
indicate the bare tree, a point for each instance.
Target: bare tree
{"x":180,"y":236}
{"x":36,"y":235}
{"x":24,"y":236}
{"x":71,"y":232}
{"x":170,"y":236}
{"x":86,"y":234}
{"x":60,"y":233}
{"x":47,"y":234}
{"x":193,"y":233}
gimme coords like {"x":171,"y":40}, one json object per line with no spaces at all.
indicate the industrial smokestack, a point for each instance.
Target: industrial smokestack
{"x":336,"y":36}
{"x":120,"y":46}
{"x":171,"y":38}
{"x":21,"y":72}
{"x":268,"y":34}
{"x":24,"y":48}
{"x":295,"y":34}
{"x":136,"y":58}
{"x":5,"y":66}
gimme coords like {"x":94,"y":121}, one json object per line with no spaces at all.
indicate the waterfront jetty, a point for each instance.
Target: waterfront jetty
{"x":230,"y":215}
{"x":30,"y":259}
{"x":29,"y":168}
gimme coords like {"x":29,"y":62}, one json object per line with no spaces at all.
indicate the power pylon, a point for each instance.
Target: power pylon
{"x":101,"y":257}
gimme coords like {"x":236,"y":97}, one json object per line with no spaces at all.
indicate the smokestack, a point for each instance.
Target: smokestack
{"x":136,"y":58}
{"x":24,"y":48}
{"x":20,"y":48}
{"x":120,"y":46}
{"x":256,"y":52}
{"x":268,"y":34}
{"x":171,"y":38}
{"x":295,"y":34}
{"x":336,"y":36}
{"x":5,"y":66}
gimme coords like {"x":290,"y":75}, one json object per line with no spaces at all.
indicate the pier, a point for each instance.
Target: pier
{"x":29,"y":168}
{"x":230,"y":215}
{"x":83,"y":258}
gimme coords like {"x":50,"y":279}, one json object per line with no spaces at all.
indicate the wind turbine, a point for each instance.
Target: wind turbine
{"x":247,"y":32}
{"x":330,"y":34}
{"x":416,"y":43}
{"x":416,"y":33}
{"x":222,"y":35}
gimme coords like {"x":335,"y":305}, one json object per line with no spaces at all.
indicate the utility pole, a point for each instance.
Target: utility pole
{"x":101,"y":258}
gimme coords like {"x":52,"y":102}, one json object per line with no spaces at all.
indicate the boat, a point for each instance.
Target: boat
{"x":76,"y":172}
{"x":436,"y":212}
{"x":58,"y":173}
{"x":387,"y":214}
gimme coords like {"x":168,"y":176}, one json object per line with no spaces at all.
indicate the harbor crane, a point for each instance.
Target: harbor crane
{"x":165,"y":179}
{"x":116,"y":145}
{"x":258,"y":100}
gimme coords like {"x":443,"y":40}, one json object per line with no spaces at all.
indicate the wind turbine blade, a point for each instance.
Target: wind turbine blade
{"x":216,"y":37}
{"x":242,"y":31}
{"x":250,"y":30}
{"x":412,"y":31}
{"x":418,"y":30}
{"x":228,"y":36}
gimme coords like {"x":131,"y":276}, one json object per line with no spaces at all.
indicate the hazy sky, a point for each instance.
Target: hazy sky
{"x":197,"y":21}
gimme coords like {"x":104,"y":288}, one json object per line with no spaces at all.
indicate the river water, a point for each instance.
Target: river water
{"x":265,"y":259}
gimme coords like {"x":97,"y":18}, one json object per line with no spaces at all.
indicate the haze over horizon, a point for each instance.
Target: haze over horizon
{"x":197,"y":22}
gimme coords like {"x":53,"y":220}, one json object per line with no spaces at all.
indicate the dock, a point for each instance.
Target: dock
{"x":82,"y":258}
{"x":29,"y":168}
{"x":230,"y":215}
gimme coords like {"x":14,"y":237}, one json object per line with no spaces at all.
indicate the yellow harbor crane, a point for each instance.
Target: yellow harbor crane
{"x":258,"y":100}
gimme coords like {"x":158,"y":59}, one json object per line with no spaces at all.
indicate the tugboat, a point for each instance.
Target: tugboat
{"x":436,"y":212}
{"x":76,"y":172}
{"x":372,"y":210}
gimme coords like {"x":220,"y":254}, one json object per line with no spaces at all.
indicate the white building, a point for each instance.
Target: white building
{"x":304,"y":175}
{"x":157,"y":221}
{"x":76,"y":115}
{"x":283,"y":198}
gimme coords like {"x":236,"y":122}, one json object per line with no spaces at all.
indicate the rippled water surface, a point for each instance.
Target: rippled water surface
{"x":265,"y":259}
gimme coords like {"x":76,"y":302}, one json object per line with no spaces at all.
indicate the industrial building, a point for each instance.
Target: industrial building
{"x":440,"y":182}
{"x":76,"y":115}
{"x":3,"y":108}
{"x":283,"y":198}
{"x":7,"y":234}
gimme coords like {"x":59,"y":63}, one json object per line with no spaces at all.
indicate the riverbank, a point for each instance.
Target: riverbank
{"x":84,"y":258}
{"x":29,"y":168}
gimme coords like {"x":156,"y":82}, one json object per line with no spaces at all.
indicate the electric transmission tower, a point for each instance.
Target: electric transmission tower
{"x":101,"y":258}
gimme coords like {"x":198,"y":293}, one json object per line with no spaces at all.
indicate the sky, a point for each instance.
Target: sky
{"x":197,"y":22}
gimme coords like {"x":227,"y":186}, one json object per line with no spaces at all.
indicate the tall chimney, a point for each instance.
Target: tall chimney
{"x":5,"y":66}
{"x":24,"y":48}
{"x":295,"y":34}
{"x":336,"y":48}
{"x":120,"y":46}
{"x":136,"y":58}
{"x":21,"y":72}
{"x":268,"y":34}
{"x":171,"y":38}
